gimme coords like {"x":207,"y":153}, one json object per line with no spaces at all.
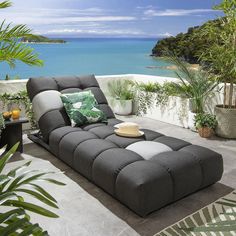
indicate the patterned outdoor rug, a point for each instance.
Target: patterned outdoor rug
{"x":216,"y":219}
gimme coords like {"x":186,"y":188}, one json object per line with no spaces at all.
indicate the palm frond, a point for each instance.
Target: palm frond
{"x":17,"y":51}
{"x":7,"y":156}
{"x":30,"y":207}
{"x":197,"y":85}
{"x":14,"y":186}
{"x":5,"y":4}
{"x":9,"y":32}
{"x":16,"y":222}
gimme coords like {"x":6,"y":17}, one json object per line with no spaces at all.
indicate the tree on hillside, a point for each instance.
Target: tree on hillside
{"x":184,"y":45}
{"x":11,"y":47}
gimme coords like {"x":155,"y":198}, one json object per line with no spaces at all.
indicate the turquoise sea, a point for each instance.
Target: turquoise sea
{"x":92,"y":56}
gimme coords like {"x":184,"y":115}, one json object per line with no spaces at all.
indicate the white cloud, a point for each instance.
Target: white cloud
{"x":167,"y":34}
{"x":47,"y":16}
{"x":175,"y":12}
{"x":70,"y":31}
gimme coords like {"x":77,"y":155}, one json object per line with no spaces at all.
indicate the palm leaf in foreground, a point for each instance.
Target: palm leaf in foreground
{"x":14,"y":186}
{"x":16,"y":222}
{"x":5,"y":4}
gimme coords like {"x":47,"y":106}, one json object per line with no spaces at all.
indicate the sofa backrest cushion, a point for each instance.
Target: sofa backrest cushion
{"x":44,"y":92}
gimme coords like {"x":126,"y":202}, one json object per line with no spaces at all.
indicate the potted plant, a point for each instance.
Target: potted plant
{"x":219,"y":57}
{"x":205,"y":124}
{"x":123,"y":94}
{"x":197,"y":85}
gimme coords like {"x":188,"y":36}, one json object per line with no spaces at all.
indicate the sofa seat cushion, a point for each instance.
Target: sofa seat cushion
{"x":148,"y":149}
{"x":108,"y":164}
{"x":123,"y":142}
{"x":150,"y":135}
{"x":57,"y":135}
{"x":113,"y":121}
{"x":70,"y":142}
{"x":144,"y":186}
{"x":174,"y":143}
{"x":51,"y":121}
{"x":86,"y":153}
{"x":91,"y":126}
{"x":211,"y":162}
{"x":184,"y":169}
{"x":103,"y":131}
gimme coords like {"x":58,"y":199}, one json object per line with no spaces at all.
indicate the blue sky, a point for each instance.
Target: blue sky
{"x":110,"y":18}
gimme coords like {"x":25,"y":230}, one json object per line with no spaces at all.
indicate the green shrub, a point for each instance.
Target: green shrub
{"x":121,"y":89}
{"x":205,"y":120}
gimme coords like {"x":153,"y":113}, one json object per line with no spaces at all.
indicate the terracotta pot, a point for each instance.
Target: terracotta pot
{"x":205,"y":132}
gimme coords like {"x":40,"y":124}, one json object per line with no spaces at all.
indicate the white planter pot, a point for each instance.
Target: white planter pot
{"x":191,"y":121}
{"x":123,"y":107}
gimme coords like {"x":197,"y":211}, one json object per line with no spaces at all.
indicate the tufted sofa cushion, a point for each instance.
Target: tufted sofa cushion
{"x":48,"y":108}
{"x":144,"y":173}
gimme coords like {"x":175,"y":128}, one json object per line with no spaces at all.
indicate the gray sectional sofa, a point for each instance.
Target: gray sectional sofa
{"x":144,"y":173}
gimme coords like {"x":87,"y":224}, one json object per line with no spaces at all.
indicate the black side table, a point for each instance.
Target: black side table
{"x":13,"y":134}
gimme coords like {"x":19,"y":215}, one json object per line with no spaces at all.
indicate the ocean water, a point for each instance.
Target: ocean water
{"x":92,"y":56}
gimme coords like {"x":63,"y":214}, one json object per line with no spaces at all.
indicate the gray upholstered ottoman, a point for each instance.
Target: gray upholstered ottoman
{"x":144,"y":173}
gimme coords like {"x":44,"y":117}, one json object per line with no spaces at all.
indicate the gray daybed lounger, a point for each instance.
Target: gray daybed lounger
{"x":144,"y":173}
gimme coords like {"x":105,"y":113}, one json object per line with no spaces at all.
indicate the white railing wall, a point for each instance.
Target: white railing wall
{"x":175,"y":111}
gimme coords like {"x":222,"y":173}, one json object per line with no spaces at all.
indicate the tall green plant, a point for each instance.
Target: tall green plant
{"x":197,"y":85}
{"x":14,"y":186}
{"x":11,"y":47}
{"x":220,"y":55}
{"x":121,"y":89}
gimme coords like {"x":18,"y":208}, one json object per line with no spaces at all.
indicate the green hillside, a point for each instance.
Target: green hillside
{"x":41,"y":39}
{"x":184,"y":45}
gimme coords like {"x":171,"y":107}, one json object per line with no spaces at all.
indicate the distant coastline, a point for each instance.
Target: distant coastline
{"x":39,"y":39}
{"x":25,"y":42}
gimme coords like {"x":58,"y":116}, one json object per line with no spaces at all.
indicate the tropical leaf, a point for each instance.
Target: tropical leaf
{"x":43,"y":192}
{"x":30,"y":207}
{"x":14,"y":186}
{"x":18,"y":51}
{"x":13,"y":172}
{"x":54,"y":181}
{"x":11,"y":48}
{"x":5,"y":216}
{"x":38,"y":196}
{"x":16,"y":222}
{"x":7,"y":156}
{"x":5,"y":4}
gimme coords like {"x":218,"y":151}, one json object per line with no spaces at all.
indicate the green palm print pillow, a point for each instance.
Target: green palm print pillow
{"x":82,"y":108}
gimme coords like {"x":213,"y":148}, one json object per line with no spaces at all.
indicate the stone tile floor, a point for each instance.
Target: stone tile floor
{"x":169,"y":214}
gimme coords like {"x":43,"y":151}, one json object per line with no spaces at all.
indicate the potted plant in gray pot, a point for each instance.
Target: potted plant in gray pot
{"x":122,"y":96}
{"x":219,"y":57}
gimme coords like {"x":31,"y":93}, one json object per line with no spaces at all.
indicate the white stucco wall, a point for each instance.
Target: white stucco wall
{"x":174,"y":112}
